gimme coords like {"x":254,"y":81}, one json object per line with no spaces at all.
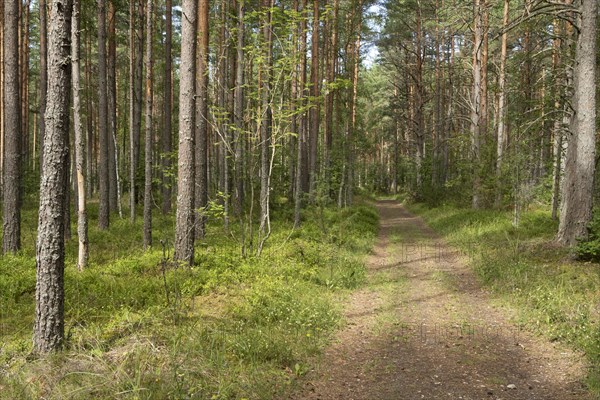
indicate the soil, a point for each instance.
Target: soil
{"x":423,"y":328}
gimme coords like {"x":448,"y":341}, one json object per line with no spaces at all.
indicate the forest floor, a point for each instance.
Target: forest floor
{"x":424,"y":328}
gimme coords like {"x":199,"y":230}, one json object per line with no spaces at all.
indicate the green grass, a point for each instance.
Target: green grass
{"x":230,"y":327}
{"x":554,"y":295}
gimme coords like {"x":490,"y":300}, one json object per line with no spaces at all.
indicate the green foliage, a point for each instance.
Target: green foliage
{"x":554,"y":296}
{"x":589,"y":249}
{"x":139,"y":326}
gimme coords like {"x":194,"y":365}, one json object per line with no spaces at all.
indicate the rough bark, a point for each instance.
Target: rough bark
{"x":48,"y":334}
{"x":577,"y":188}
{"x":103,"y":170}
{"x":148,"y":136}
{"x":184,"y":235}
{"x":11,"y":212}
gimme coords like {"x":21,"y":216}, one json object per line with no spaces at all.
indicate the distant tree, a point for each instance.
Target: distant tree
{"x":103,"y":170}
{"x":48,"y":334}
{"x":148,"y":138}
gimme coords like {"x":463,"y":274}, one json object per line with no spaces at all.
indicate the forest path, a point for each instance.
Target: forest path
{"x":424,"y":329}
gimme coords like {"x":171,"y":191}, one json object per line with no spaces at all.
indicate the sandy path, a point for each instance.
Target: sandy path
{"x":424,"y":329}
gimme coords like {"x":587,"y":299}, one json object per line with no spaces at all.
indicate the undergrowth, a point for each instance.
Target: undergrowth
{"x":229,"y":327}
{"x":554,"y":295}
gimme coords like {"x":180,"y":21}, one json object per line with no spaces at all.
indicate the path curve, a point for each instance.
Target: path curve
{"x":424,"y":329}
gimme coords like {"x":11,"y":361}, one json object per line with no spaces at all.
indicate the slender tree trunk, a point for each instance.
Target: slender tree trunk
{"x":353,"y":107}
{"x":331,"y":93}
{"x":112,"y":107}
{"x":184,"y":234}
{"x":201,"y":120}
{"x":501,"y":126}
{"x":48,"y":334}
{"x":148,"y":138}
{"x":238,"y":112}
{"x":476,"y":119}
{"x":24,"y":52}
{"x":103,"y":209}
{"x":314,"y":110}
{"x":266,"y":117}
{"x":166,"y":136}
{"x":43,"y":71}
{"x":82,"y":223}
{"x":301,"y":170}
{"x":11,"y":212}
{"x":577,"y":189}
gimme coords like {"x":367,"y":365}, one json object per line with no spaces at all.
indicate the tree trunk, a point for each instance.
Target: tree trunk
{"x":112,"y":108}
{"x":184,"y":234}
{"x":11,"y":240}
{"x":103,"y":170}
{"x":148,"y":138}
{"x":43,"y":71}
{"x":577,"y":189}
{"x":266,"y":117}
{"x":314,"y":109}
{"x":201,"y":127}
{"x":301,"y":164}
{"x":475,"y":127}
{"x":168,"y":109}
{"x":82,"y":223}
{"x":238,"y":112}
{"x":501,"y":127}
{"x":48,"y":334}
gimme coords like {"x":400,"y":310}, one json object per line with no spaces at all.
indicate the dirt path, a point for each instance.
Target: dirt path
{"x":424,"y":329}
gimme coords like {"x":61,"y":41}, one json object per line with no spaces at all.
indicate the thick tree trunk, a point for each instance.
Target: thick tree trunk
{"x":166,"y":137}
{"x":11,"y":212}
{"x":48,"y":334}
{"x":184,"y":234}
{"x":103,"y":170}
{"x":148,"y":138}
{"x":82,"y":223}
{"x":201,"y":120}
{"x":577,"y":188}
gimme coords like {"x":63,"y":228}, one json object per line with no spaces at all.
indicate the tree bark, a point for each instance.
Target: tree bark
{"x":112,"y":108}
{"x":577,"y":189}
{"x":11,"y":212}
{"x":103,"y":170}
{"x":501,"y":126}
{"x":48,"y":334}
{"x":184,"y":235}
{"x":314,"y":110}
{"x":266,"y":117}
{"x":201,"y":120}
{"x":238,"y":111}
{"x":82,"y":222}
{"x":476,"y":119}
{"x":148,"y":138}
{"x":166,"y":145}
